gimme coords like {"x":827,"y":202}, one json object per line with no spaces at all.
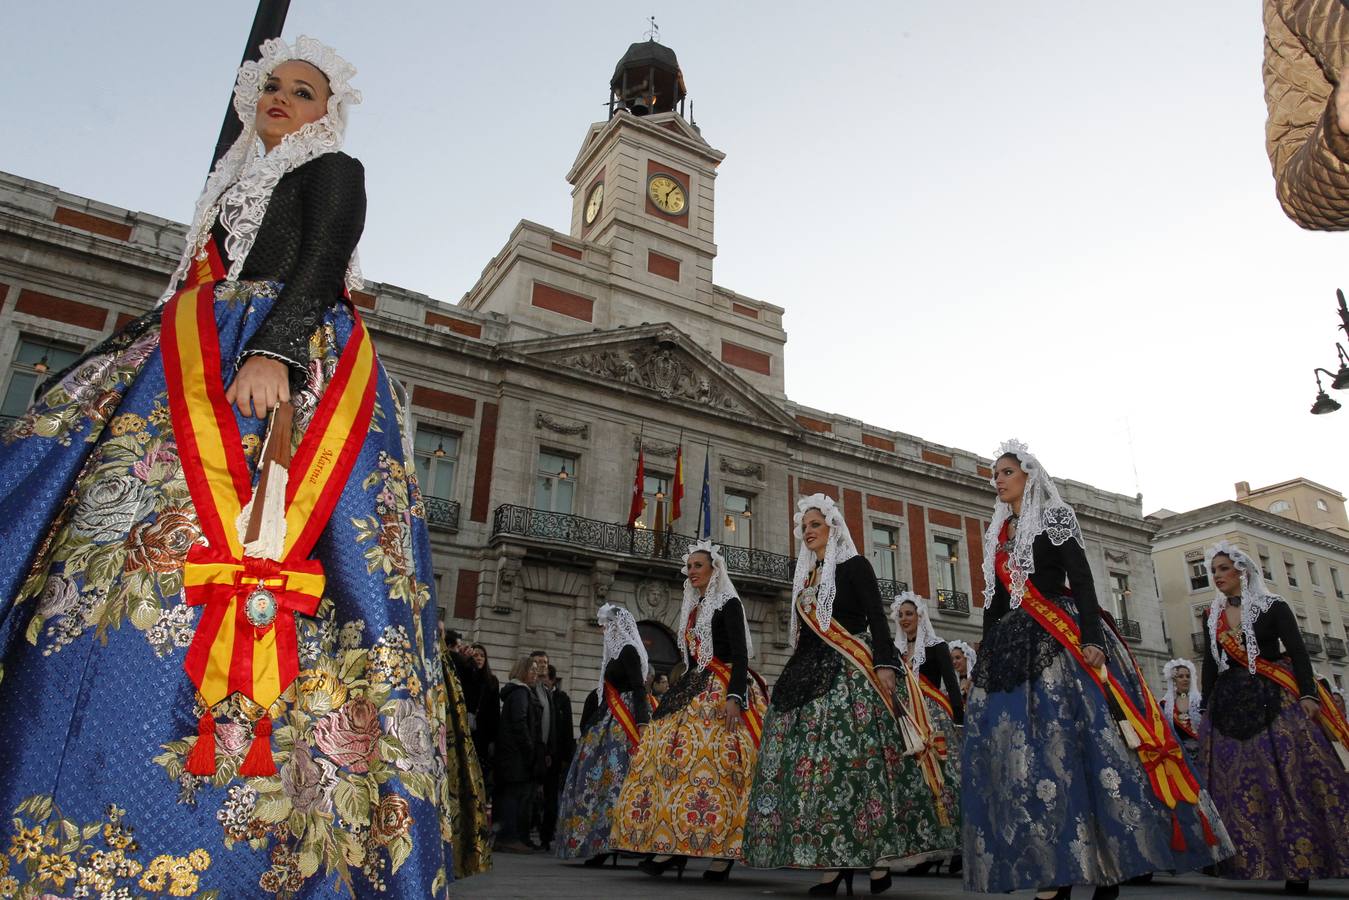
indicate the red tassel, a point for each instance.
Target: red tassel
{"x":1177,"y":838}
{"x":259,"y":758}
{"x":1209,"y":836}
{"x":201,"y":761}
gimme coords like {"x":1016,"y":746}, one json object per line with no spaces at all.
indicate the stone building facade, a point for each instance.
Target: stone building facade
{"x":532,"y":395}
{"x":1308,"y":565}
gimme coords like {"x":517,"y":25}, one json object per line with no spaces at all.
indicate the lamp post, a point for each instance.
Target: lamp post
{"x":1339,"y":380}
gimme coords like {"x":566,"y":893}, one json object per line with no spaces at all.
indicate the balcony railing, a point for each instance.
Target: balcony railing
{"x":1199,"y":641}
{"x":442,"y":515}
{"x":1131,"y":630}
{"x":953,"y":601}
{"x":613,"y":537}
{"x":890,"y":588}
{"x":1335,"y":648}
{"x":1313,"y":642}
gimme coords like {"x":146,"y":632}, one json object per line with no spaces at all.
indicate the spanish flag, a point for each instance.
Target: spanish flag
{"x":677,"y":487}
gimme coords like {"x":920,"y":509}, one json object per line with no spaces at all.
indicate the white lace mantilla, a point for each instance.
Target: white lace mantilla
{"x":719,"y":591}
{"x":926,"y":635}
{"x":1255,"y":601}
{"x":1169,"y":701}
{"x":620,"y":630}
{"x":839,"y":548}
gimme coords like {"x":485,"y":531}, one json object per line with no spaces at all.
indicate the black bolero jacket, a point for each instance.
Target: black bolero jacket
{"x":312,"y":225}
{"x":939,"y":669}
{"x":625,"y":674}
{"x":728,"y":645}
{"x":1276,"y":624}
{"x":1055,"y":566}
{"x":858,"y":608}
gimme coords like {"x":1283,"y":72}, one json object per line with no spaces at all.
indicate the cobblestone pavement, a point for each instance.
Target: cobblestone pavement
{"x":541,"y":877}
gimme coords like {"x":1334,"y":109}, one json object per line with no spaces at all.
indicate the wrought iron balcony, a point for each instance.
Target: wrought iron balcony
{"x":617,"y":538}
{"x":442,"y":515}
{"x":1131,"y":630}
{"x":1335,"y":648}
{"x":890,"y":588}
{"x":1313,"y":642}
{"x":953,"y":601}
{"x":1199,"y":641}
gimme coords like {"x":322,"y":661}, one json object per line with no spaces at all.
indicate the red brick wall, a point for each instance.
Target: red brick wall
{"x":880,"y":443}
{"x":940,"y":459}
{"x":85,"y":222}
{"x":363,"y":300}
{"x":564,"y":302}
{"x":852,"y":514}
{"x":482,"y":474}
{"x":662,"y":265}
{"x":745,"y":358}
{"x":974,"y":553}
{"x":918,"y":550}
{"x":443,"y":401}
{"x":123,"y":320}
{"x":943,"y":518}
{"x":885,"y":505}
{"x":743,"y":310}
{"x":985,"y":471}
{"x":809,"y":487}
{"x":4,"y":294}
{"x":814,"y":424}
{"x":71,"y":312}
{"x":466,"y":595}
{"x":563,"y":249}
{"x":459,"y":326}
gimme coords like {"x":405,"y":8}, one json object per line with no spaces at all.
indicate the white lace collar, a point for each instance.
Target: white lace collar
{"x":720,"y":590}
{"x":1255,"y":601}
{"x":926,"y":635}
{"x":840,"y":548}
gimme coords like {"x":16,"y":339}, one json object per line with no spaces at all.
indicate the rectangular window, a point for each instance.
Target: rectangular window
{"x":656,"y":493}
{"x":1198,"y":576}
{"x":946,"y":562}
{"x":1335,"y":583}
{"x":1312,"y":574}
{"x":737,"y":519}
{"x":555,"y":483}
{"x":1265,"y":568}
{"x":437,"y":455}
{"x":885,"y":551}
{"x":1290,"y":573}
{"x":1119,"y":591}
{"x":35,"y":360}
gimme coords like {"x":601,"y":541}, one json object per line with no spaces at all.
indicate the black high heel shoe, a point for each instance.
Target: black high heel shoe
{"x":830,"y":888}
{"x":882,"y":884}
{"x":1105,"y":892}
{"x":719,"y":874}
{"x":657,"y":869}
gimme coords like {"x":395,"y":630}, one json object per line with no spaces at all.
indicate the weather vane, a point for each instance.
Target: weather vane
{"x":654,"y":31}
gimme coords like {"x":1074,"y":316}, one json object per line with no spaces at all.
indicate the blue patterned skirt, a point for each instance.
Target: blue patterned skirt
{"x":97,"y":715}
{"x":1050,"y":793}
{"x":585,"y":814}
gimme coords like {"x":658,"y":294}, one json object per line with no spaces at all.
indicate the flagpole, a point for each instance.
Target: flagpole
{"x":268,"y":21}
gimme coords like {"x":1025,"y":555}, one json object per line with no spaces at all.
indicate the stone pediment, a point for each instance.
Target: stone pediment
{"x":659,"y":360}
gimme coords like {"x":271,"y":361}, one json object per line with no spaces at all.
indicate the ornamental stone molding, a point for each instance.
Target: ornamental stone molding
{"x":1117,"y":556}
{"x":653,"y":449}
{"x":559,"y":426}
{"x":663,"y":370}
{"x":742,"y":469}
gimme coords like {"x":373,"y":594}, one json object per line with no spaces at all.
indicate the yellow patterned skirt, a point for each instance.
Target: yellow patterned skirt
{"x":687,"y":789}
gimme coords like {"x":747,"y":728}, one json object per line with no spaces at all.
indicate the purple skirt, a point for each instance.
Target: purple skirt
{"x":1276,"y":781}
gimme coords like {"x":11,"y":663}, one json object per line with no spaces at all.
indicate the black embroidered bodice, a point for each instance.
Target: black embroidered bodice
{"x":728,"y":645}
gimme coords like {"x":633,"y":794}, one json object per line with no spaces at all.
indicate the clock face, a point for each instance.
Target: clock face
{"x":594,"y":202}
{"x":667,"y":194}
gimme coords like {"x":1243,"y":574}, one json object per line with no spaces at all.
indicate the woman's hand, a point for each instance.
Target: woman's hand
{"x":1094,"y":656}
{"x":1311,"y":707}
{"x":261,"y":384}
{"x":732,"y":713}
{"x":887,"y":680}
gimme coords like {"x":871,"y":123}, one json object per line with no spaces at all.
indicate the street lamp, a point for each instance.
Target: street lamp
{"x":1339,"y":380}
{"x":1324,"y":403}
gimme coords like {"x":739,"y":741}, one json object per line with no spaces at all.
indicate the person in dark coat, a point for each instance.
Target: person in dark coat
{"x":519,"y":757}
{"x":484,"y":708}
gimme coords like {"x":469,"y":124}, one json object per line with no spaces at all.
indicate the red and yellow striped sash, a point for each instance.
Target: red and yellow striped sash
{"x":1330,"y":717}
{"x":228,"y":652}
{"x":619,"y":710}
{"x":852,"y":648}
{"x":753,"y":718}
{"x":937,"y":696}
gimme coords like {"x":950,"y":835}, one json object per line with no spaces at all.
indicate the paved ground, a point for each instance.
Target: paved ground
{"x":540,"y":877}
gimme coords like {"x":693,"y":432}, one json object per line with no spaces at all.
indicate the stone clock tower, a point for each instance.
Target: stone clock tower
{"x":640,"y":247}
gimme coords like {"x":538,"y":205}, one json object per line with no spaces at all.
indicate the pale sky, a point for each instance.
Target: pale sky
{"x":1050,"y":220}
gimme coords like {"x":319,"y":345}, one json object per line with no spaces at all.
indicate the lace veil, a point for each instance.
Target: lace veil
{"x":1042,"y":511}
{"x":926,"y":635}
{"x":1255,"y":600}
{"x":240,"y":186}
{"x":839,"y":549}
{"x":719,"y":590}
{"x":1169,"y":701}
{"x":970,"y":656}
{"x":620,"y":630}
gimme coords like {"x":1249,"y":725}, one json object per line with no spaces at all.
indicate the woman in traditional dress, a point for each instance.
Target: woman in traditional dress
{"x":963,"y":657}
{"x":465,"y":787}
{"x":1054,"y":791}
{"x":147,"y":527}
{"x":687,"y":784}
{"x":614,"y":716}
{"x":837,"y":788}
{"x":1182,"y":702}
{"x":1271,"y":744}
{"x":929,"y":658}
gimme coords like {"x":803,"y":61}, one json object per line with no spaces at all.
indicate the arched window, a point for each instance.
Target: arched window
{"x":661,"y":648}
{"x":1279,"y":507}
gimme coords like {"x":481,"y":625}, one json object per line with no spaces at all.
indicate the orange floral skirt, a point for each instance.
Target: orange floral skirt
{"x":687,"y":789}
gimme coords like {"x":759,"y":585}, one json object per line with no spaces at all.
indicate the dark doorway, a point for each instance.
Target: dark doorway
{"x":661,"y":648}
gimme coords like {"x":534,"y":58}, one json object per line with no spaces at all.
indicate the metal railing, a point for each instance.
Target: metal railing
{"x":890,"y":588}
{"x":614,"y":537}
{"x":1313,"y":642}
{"x":1335,"y":648}
{"x":1131,"y":630}
{"x":442,"y":515}
{"x":953,"y":601}
{"x":1199,"y":641}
